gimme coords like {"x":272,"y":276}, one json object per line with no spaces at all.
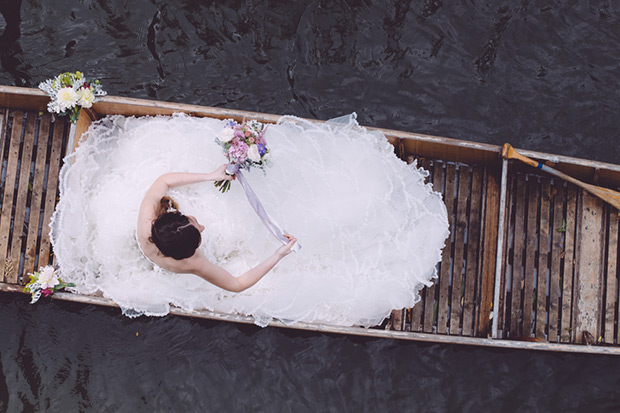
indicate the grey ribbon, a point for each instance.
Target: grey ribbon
{"x":276,"y":231}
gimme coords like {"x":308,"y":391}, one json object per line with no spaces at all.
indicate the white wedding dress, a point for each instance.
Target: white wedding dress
{"x":371,"y":229}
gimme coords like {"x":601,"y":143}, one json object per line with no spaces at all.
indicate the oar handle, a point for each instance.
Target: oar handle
{"x":508,"y":152}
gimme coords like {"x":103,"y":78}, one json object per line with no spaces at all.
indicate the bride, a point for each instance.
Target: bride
{"x":372,"y":229}
{"x":170,"y":239}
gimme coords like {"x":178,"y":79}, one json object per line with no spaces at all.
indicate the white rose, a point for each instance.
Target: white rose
{"x":85,"y":97}
{"x":47,"y":277}
{"x":66,"y":98}
{"x":253,"y":153}
{"x":226,"y":135}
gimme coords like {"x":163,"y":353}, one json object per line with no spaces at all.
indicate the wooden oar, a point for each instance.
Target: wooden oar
{"x":607,"y":195}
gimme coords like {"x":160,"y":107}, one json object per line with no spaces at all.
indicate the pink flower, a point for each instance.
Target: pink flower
{"x":248,"y":133}
{"x":251,"y":140}
{"x":238,"y":151}
{"x":47,"y":292}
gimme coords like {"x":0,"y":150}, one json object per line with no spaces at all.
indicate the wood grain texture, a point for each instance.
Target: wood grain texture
{"x":558,"y":195}
{"x":458,"y":263}
{"x":431,"y":302}
{"x":8,"y":269}
{"x":50,"y":193}
{"x":543,"y":260}
{"x":611,"y":288}
{"x":444,"y":278}
{"x":517,"y":260}
{"x":19,"y":225}
{"x":491,"y":216}
{"x":566,"y":325}
{"x":589,"y":271}
{"x":36,"y":199}
{"x":473,"y":249}
{"x":531,"y":242}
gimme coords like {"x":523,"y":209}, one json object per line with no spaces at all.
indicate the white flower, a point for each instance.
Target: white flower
{"x":47,"y":277}
{"x":253,"y":153}
{"x":66,"y":98}
{"x":226,"y":135}
{"x":53,"y":107}
{"x":85,"y":97}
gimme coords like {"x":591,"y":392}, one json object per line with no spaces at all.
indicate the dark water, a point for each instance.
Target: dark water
{"x":543,"y":75}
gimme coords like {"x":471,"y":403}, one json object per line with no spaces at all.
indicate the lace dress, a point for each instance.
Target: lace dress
{"x":371,"y":229}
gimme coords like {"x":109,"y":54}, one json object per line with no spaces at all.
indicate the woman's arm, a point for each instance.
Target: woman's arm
{"x":175,"y":179}
{"x":223,"y":279}
{"x":159,"y":188}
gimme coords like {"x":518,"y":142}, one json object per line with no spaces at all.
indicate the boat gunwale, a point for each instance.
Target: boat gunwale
{"x":355,"y":331}
{"x":166,"y":108}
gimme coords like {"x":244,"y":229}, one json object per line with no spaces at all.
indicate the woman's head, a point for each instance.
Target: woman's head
{"x":176,"y":235}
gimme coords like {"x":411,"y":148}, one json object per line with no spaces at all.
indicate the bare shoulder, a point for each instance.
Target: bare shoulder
{"x":148,"y":209}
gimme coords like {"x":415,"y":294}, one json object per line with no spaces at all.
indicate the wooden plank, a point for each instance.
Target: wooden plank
{"x":4,"y":139}
{"x":444,"y":278}
{"x":505,"y":286}
{"x":430,"y":303}
{"x":543,"y":259}
{"x":558,"y":193}
{"x":4,"y":118}
{"x":19,"y":232}
{"x":566,"y":327}
{"x":459,"y":251}
{"x":473,"y":249}
{"x":589,"y":270}
{"x":428,"y":292}
{"x":530,"y":256}
{"x":491,"y":215}
{"x":517,"y":260}
{"x":37,"y":191}
{"x":611,"y":290}
{"x":396,"y":320}
{"x":6,"y":267}
{"x":50,"y":194}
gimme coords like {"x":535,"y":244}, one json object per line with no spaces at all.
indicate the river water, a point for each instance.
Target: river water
{"x":542,"y":75}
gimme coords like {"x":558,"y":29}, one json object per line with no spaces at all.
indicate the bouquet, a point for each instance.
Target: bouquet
{"x":71,"y":92}
{"x":244,"y":146}
{"x":45,"y":282}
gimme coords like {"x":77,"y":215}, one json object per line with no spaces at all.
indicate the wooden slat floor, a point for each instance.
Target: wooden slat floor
{"x":452,"y":305}
{"x":32,"y":147}
{"x":540,"y":294}
{"x":552,"y":287}
{"x":545,"y":270}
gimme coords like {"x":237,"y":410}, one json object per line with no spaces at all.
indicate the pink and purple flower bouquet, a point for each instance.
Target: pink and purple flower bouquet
{"x":244,"y":145}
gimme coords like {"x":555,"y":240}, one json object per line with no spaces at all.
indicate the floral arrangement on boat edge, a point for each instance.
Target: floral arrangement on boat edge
{"x":70,"y":92}
{"x":45,"y":282}
{"x":244,"y":145}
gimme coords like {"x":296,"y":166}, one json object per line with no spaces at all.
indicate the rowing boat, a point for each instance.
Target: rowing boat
{"x":532,"y":261}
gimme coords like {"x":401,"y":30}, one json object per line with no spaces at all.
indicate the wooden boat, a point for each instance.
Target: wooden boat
{"x":532,"y":261}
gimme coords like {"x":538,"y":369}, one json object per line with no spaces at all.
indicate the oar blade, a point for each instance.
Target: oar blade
{"x":607,"y":195}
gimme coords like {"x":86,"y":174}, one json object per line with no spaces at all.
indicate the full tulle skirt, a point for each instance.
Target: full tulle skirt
{"x":372,"y":231}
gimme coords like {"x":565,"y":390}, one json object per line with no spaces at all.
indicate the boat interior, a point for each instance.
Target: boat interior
{"x":531,"y":262}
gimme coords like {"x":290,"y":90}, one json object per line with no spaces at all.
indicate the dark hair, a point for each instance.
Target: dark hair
{"x":173,"y":233}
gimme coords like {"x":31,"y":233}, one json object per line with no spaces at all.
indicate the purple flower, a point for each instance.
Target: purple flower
{"x":261,"y":149}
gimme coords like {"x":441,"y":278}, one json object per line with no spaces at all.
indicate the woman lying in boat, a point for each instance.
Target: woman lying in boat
{"x":170,"y":239}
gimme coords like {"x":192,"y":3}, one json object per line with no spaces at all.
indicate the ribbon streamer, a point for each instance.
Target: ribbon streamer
{"x":276,"y":231}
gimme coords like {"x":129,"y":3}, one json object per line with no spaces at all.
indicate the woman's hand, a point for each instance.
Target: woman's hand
{"x":220,"y":174}
{"x":284,"y":250}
